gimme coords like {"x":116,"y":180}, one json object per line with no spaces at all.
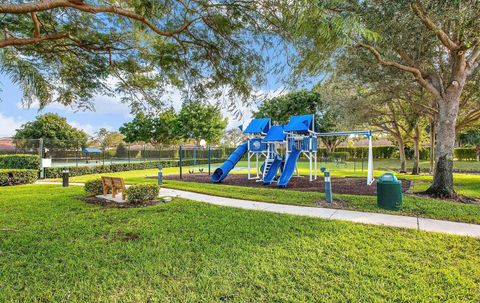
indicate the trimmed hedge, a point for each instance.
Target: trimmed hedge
{"x":142,"y":193}
{"x":94,"y":187}
{"x":379,"y":152}
{"x":391,"y":152}
{"x":17,"y":176}
{"x":20,"y":161}
{"x":466,"y":154}
{"x":56,"y":172}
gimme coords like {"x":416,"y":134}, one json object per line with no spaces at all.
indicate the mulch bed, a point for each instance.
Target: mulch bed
{"x":348,"y":185}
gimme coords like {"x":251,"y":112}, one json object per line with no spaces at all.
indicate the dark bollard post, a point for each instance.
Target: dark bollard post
{"x":65,"y":177}
{"x":328,"y":188}
{"x":160,"y":175}
{"x":328,"y":185}
{"x":180,"y":160}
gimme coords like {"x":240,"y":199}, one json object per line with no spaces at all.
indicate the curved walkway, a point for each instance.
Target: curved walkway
{"x":456,"y":228}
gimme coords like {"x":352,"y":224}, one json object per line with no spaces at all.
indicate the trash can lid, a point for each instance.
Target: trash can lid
{"x":388,"y":178}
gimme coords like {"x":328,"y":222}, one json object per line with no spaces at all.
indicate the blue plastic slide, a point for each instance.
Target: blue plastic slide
{"x":289,"y":168}
{"x":272,"y":172}
{"x":220,"y":173}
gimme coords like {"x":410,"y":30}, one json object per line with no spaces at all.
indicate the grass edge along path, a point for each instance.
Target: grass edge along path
{"x":412,"y":205}
{"x":62,"y":249}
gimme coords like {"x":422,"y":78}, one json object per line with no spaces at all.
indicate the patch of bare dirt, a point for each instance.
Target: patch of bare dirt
{"x":344,"y":185}
{"x":126,"y":236}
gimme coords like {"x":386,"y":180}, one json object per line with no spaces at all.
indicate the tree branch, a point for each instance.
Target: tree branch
{"x":80,"y":5}
{"x":26,"y":41}
{"x":442,"y":36}
{"x":415,"y":71}
{"x":36,"y":26}
{"x":472,"y":116}
{"x":474,"y":56}
{"x":405,"y":57}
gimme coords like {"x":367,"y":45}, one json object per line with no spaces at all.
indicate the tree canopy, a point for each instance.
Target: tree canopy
{"x":53,"y":128}
{"x":67,"y":51}
{"x":197,"y":121}
{"x":434,"y":43}
{"x":194,"y":122}
{"x":106,"y":138}
{"x":158,"y":129}
{"x":303,"y":102}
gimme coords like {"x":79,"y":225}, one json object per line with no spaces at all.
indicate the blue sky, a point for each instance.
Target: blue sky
{"x":110,"y":113}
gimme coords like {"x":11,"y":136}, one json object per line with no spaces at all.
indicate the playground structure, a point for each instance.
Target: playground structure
{"x":278,"y":148}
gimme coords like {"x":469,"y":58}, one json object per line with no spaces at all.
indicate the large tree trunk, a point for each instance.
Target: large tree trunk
{"x":432,"y":147}
{"x":416,"y":149}
{"x":403,"y":158}
{"x":447,"y":118}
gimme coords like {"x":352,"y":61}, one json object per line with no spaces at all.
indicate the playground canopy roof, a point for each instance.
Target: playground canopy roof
{"x":300,"y":124}
{"x":258,"y":126}
{"x":275,"y":134}
{"x":91,"y":150}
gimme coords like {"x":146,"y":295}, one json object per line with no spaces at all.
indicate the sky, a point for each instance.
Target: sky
{"x":109,"y":112}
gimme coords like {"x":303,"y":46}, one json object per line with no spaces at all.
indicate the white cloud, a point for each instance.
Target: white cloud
{"x":8,"y":125}
{"x":102,"y":105}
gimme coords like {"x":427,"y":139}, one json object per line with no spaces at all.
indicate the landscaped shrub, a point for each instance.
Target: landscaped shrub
{"x":142,"y":193}
{"x":94,"y":187}
{"x":17,"y":176}
{"x":20,"y":161}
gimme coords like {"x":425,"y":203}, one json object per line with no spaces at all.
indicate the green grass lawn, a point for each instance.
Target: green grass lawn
{"x":466,"y":184}
{"x":412,"y":205}
{"x":56,"y":248}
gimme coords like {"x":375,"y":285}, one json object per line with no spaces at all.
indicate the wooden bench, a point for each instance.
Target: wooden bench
{"x":115,"y":185}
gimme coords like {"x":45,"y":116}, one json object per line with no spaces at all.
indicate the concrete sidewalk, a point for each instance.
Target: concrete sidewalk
{"x":456,"y":228}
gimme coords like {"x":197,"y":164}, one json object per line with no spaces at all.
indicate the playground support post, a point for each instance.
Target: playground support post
{"x":248,"y":165}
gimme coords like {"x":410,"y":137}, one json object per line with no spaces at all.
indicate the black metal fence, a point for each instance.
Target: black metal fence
{"x":71,"y":153}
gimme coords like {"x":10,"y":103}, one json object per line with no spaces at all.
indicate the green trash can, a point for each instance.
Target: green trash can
{"x":389,"y":192}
